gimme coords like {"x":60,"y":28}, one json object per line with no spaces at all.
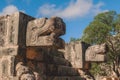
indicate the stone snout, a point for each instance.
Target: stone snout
{"x":96,"y":53}
{"x":45,"y":32}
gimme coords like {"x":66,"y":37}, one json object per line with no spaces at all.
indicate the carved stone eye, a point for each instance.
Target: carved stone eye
{"x":34,"y":28}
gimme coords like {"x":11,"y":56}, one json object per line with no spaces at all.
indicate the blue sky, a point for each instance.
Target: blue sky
{"x":77,"y":14}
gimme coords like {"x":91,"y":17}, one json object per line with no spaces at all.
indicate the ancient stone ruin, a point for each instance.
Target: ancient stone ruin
{"x":31,"y":49}
{"x":81,"y":55}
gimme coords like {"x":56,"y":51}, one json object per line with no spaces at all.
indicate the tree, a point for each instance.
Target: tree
{"x":113,"y":43}
{"x":105,"y":28}
{"x":100,"y":28}
{"x":74,"y":39}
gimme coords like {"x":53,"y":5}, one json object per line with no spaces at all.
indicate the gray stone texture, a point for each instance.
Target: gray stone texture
{"x":45,"y":32}
{"x":12,"y":43}
{"x":13,"y":32}
{"x":96,"y":53}
{"x":7,"y":65}
{"x":13,"y":29}
{"x":31,"y":49}
{"x":75,"y":53}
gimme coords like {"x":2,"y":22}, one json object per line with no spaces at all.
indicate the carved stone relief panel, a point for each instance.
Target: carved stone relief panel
{"x":3,"y":32}
{"x":96,"y":53}
{"x":53,"y":27}
{"x":17,"y":24}
{"x":13,"y":22}
{"x":9,"y":50}
{"x":75,"y":53}
{"x":7,"y":66}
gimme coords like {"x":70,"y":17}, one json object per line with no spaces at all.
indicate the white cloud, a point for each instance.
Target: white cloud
{"x":9,"y":10}
{"x":78,"y":8}
{"x":97,"y":8}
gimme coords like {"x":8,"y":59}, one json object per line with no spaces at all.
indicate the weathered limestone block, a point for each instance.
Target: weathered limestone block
{"x":3,"y":30}
{"x":38,"y":67}
{"x":85,"y":74}
{"x":8,"y":50}
{"x":24,"y":73}
{"x":59,"y":43}
{"x":28,"y":72}
{"x":7,"y":66}
{"x":51,"y":29}
{"x":59,"y":61}
{"x":96,"y":53}
{"x":37,"y":76}
{"x":65,"y":70}
{"x":65,"y":78}
{"x":21,"y":69}
{"x":11,"y":37}
{"x":75,"y":53}
{"x":9,"y":78}
{"x":27,"y":77}
{"x":110,"y":78}
{"x":39,"y":54}
{"x":34,"y":53}
{"x":59,"y":70}
{"x":41,"y":68}
{"x":52,"y":69}
{"x":45,"y":26}
{"x":48,"y":41}
{"x":11,"y":27}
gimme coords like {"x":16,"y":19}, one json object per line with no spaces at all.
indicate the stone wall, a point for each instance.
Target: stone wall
{"x":30,"y":49}
{"x":12,"y":42}
{"x":81,"y":55}
{"x":75,"y":53}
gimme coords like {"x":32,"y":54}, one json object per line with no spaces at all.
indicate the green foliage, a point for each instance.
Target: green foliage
{"x":100,"y":28}
{"x":95,"y":69}
{"x":74,"y":39}
{"x":113,"y":43}
{"x":94,"y":33}
{"x":105,"y":28}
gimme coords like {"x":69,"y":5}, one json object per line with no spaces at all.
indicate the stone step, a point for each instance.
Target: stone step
{"x":64,"y":78}
{"x":57,"y":61}
{"x":59,"y":70}
{"x":37,"y":54}
{"x":59,"y":54}
{"x":52,"y":60}
{"x":52,"y":69}
{"x":41,"y":53}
